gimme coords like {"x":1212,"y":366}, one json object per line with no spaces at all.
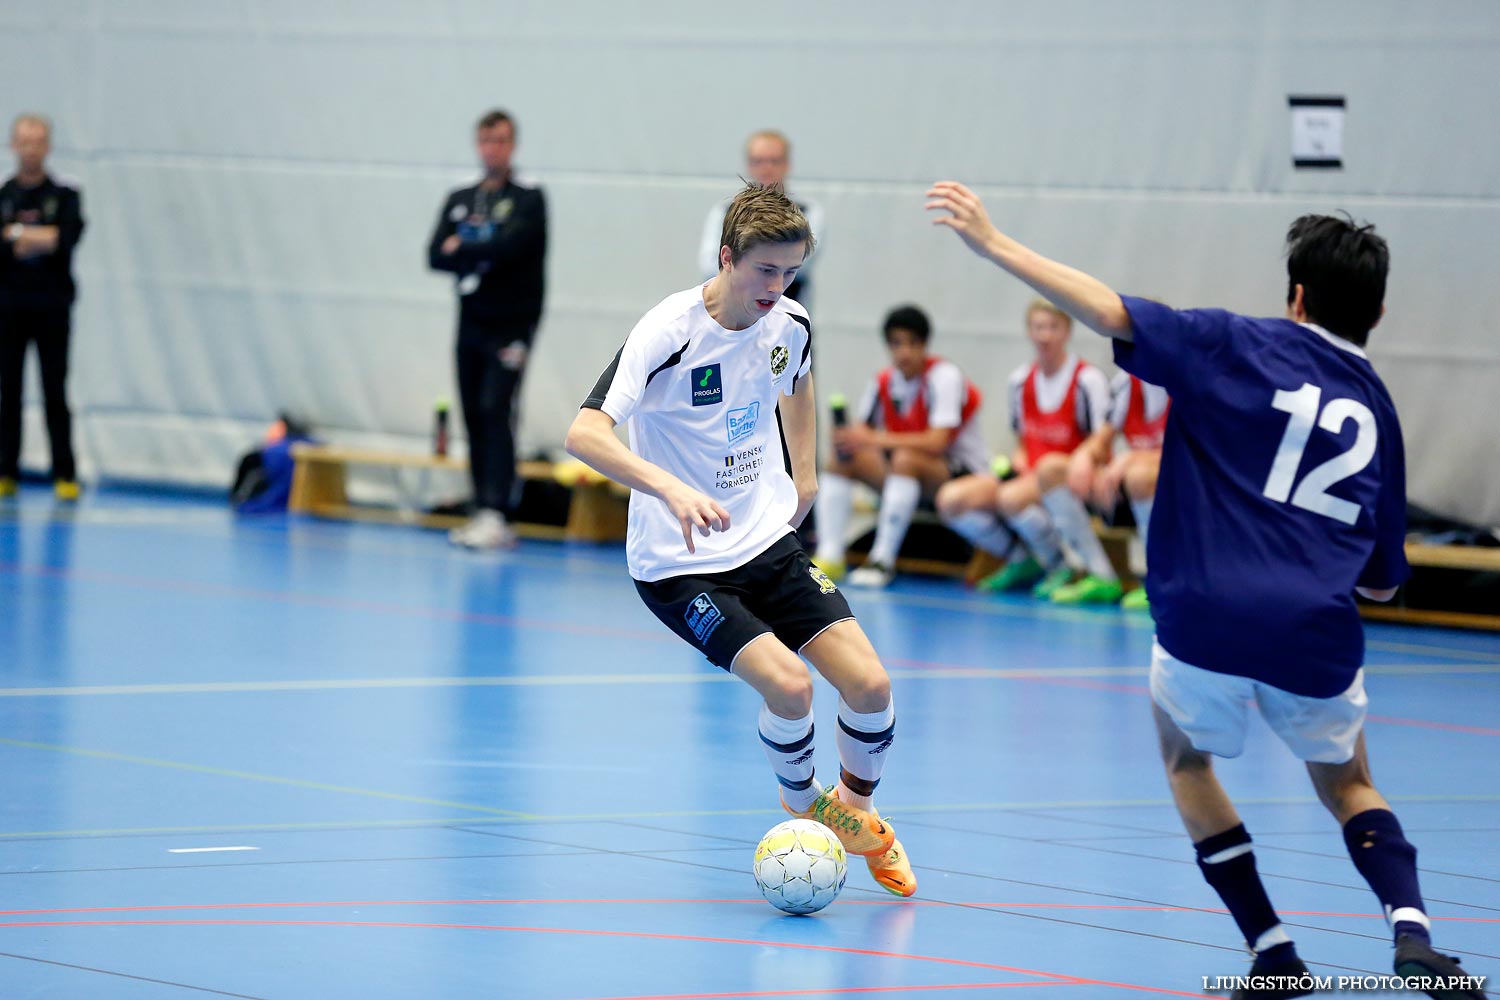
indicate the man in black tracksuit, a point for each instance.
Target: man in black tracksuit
{"x":41,"y":221}
{"x":493,"y":238}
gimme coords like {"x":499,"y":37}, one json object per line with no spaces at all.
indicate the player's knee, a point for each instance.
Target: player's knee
{"x":1051,"y":471}
{"x":1140,"y":481}
{"x":869,"y":692}
{"x":792,"y":693}
{"x":950,"y":501}
{"x":908,"y":462}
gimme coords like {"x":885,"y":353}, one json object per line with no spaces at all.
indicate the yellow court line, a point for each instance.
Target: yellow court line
{"x":559,"y":818}
{"x":251,"y":776}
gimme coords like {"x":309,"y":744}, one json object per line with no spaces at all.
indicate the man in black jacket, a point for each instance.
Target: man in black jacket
{"x":41,"y":221}
{"x":493,"y":238}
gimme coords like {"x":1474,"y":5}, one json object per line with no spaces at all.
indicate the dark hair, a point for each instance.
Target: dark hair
{"x":497,"y":117}
{"x":907,"y":318}
{"x":1341,"y":266}
{"x":763,"y":214}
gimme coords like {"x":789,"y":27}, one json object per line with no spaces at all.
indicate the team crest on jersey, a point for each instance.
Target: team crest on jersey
{"x":822,"y":579}
{"x":741,"y":422}
{"x":779,"y":358}
{"x":502,"y":209}
{"x":703,"y":616}
{"x":707,"y":386}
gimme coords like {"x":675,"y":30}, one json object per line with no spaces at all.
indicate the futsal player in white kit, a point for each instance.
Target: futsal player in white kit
{"x":698,"y":383}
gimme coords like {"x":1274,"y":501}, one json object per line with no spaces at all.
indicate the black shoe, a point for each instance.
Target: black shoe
{"x":1415,"y":957}
{"x":1288,"y":979}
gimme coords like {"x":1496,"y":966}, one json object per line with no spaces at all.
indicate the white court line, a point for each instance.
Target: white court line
{"x":207,"y":850}
{"x":571,"y":680}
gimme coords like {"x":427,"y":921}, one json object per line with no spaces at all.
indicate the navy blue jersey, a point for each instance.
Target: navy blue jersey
{"x":1282,"y":487}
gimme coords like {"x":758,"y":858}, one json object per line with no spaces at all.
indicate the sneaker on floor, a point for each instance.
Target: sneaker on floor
{"x":1090,"y":590}
{"x":833,"y":568}
{"x":872,"y":575}
{"x":1012,"y":576}
{"x":1287,"y":974}
{"x":7,"y":487}
{"x":860,"y":832}
{"x":66,"y":490}
{"x":486,"y":530}
{"x":1136,"y":600}
{"x":1051,"y":582}
{"x":1415,"y":957}
{"x":892,"y":870}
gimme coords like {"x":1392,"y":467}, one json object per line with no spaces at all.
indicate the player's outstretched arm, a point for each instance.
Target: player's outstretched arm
{"x":799,"y":421}
{"x":592,"y":441}
{"x":1085,"y":298}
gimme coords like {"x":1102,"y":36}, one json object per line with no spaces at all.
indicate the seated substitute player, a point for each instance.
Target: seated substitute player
{"x":1058,"y":409}
{"x":916,"y":428}
{"x":1139,"y":410}
{"x":1282,"y":493}
{"x":698,"y":381}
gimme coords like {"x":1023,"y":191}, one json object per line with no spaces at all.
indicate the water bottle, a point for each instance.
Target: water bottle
{"x":440,"y":429}
{"x":840,"y":407}
{"x":1003,"y":469}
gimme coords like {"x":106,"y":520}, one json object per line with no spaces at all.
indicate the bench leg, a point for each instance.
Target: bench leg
{"x":317,"y":486}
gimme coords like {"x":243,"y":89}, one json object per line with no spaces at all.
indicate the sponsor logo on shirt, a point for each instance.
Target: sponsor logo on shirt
{"x":742,"y":422}
{"x":703,"y":616}
{"x":779,"y":358}
{"x":706,"y":386}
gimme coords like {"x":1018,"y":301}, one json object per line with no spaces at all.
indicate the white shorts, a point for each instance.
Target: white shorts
{"x":1213,"y":709}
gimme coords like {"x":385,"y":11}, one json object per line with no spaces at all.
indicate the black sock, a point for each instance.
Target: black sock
{"x":1388,"y":862}
{"x":1228,"y":864}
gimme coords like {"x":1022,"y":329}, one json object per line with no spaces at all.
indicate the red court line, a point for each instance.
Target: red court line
{"x":1451,"y":727}
{"x":839,"y":990}
{"x":689,"y":901}
{"x":1063,"y":978}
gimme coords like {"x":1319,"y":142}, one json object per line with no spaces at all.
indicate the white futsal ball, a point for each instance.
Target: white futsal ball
{"x":800,"y":866}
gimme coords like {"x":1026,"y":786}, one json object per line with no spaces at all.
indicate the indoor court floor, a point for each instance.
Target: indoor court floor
{"x":283,"y":759}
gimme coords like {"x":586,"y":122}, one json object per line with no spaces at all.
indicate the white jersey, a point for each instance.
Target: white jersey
{"x":1091,"y":403}
{"x":1154,"y":398}
{"x":700,"y":402}
{"x":945,"y":390}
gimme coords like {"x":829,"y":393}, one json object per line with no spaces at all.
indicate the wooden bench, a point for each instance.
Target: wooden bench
{"x":596,"y":511}
{"x":1470,"y":558}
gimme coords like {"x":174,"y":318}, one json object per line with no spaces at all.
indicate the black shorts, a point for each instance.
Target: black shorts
{"x":779,"y":591}
{"x":1120,"y":516}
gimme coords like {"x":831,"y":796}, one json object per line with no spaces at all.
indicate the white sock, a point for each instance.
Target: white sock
{"x":1039,"y":534}
{"x":1141,"y":510}
{"x":898,"y":502}
{"x":789,"y":748}
{"x":983,"y":530}
{"x":863,"y":739}
{"x":834,"y":504}
{"x":1073,"y":521}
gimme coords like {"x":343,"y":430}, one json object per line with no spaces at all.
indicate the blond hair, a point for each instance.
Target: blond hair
{"x":1040,"y":304}
{"x":763,"y":214}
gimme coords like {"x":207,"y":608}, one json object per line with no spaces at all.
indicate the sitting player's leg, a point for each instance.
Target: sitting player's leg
{"x":1139,"y":485}
{"x":969,"y":505}
{"x":867,"y":727}
{"x":1199,"y":713}
{"x":836,"y":501}
{"x":1386,"y":859}
{"x":1020,"y":503}
{"x":913,"y":474}
{"x":1064,"y":502}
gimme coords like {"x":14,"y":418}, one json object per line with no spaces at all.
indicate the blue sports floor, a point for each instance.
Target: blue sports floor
{"x":288,"y":759}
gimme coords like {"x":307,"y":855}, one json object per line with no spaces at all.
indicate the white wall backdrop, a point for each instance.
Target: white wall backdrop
{"x":260,"y":178}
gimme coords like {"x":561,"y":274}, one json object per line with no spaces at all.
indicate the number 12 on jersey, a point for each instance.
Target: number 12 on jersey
{"x":1312,"y":493}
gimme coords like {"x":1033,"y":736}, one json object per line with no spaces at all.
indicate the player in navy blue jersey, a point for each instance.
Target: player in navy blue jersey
{"x":1282,"y":492}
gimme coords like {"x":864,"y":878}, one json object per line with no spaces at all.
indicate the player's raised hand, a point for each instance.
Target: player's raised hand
{"x":696,"y":512}
{"x":966,"y":215}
